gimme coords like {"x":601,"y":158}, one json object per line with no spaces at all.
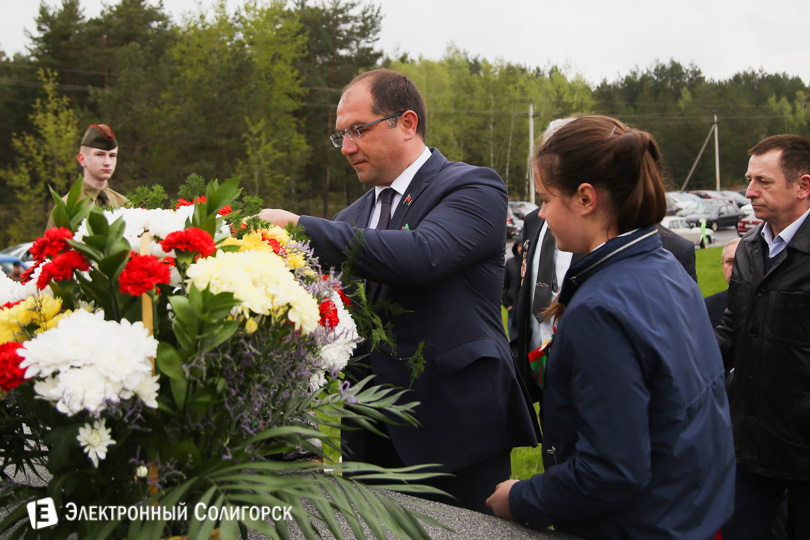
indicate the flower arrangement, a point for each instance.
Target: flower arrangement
{"x":165,"y":359}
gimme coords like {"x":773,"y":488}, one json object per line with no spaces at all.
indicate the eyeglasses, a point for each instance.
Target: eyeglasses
{"x":353,"y":132}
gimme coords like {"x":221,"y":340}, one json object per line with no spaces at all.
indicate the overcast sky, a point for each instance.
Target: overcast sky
{"x":594,"y":38}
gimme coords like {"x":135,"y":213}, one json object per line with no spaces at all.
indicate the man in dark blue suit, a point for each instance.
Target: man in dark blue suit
{"x":432,"y":242}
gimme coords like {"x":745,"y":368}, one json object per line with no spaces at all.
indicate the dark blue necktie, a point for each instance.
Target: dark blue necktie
{"x":385,"y":197}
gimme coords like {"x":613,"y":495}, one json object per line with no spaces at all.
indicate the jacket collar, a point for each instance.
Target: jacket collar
{"x":800,"y":241}
{"x":614,"y":250}
{"x":420,"y":182}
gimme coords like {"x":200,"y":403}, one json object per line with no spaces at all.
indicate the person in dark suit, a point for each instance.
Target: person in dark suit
{"x":511,"y":283}
{"x":544,"y":268}
{"x":716,"y":303}
{"x":432,"y":242}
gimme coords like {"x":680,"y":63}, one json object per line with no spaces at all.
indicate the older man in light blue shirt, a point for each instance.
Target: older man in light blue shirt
{"x":765,"y":340}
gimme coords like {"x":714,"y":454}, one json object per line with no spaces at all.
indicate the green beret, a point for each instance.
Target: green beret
{"x":100,"y":136}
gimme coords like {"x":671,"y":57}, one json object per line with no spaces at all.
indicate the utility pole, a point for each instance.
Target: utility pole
{"x":713,"y":129}
{"x":531,"y":151}
{"x":716,"y":153}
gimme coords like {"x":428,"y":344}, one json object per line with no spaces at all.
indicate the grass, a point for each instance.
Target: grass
{"x":709,"y":271}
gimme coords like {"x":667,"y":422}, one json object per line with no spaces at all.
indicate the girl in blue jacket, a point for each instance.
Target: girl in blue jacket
{"x":637,"y":437}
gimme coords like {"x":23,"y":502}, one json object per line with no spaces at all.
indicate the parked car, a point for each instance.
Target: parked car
{"x":521,"y":208}
{"x":680,"y":199}
{"x":21,"y":251}
{"x":695,"y":206}
{"x":747,"y":210}
{"x":746,"y":224}
{"x":513,"y":224}
{"x":735,"y":196}
{"x":712,"y":195}
{"x":682,"y":227}
{"x":7,"y":262}
{"x":717,"y":213}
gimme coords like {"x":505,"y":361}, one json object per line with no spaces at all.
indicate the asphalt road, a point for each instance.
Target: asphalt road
{"x":724,"y":236}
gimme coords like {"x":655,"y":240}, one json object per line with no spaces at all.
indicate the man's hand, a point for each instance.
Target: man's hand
{"x":279,"y":217}
{"x":498,"y":502}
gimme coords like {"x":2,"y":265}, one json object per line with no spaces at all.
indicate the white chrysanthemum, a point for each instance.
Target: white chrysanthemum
{"x":261,"y":281}
{"x":147,"y":389}
{"x":157,"y":222}
{"x":335,"y":355}
{"x":86,"y":361}
{"x":14,"y":291}
{"x":124,"y":352}
{"x":70,"y":345}
{"x":82,"y":389}
{"x":317,"y":380}
{"x":95,"y":439}
{"x":48,"y":388}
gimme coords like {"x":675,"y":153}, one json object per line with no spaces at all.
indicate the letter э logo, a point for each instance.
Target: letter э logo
{"x":42,"y":513}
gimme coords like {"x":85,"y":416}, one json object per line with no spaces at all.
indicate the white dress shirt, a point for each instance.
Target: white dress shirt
{"x":400,"y":187}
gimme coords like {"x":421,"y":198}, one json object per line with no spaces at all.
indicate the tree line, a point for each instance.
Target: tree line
{"x":253,"y":94}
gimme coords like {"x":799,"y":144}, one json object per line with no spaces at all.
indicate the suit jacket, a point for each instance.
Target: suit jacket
{"x":681,"y":248}
{"x":716,"y":304}
{"x":446,"y":269}
{"x":521,"y":327}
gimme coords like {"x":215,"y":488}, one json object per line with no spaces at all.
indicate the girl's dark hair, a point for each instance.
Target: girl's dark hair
{"x":624,"y":162}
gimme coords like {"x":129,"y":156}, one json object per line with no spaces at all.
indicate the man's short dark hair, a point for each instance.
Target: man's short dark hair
{"x":392,"y":93}
{"x":795,"y":159}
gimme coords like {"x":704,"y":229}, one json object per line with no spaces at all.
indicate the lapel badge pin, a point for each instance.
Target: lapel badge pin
{"x":408,"y":200}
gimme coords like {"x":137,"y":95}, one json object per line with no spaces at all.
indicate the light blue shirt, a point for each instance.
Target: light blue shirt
{"x":777,"y":245}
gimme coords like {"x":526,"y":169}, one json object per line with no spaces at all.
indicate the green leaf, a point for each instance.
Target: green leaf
{"x":184,"y":312}
{"x":179,"y":390}
{"x":224,"y":331}
{"x":169,"y":361}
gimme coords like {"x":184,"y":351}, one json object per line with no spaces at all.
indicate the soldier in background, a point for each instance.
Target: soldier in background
{"x":98,"y":155}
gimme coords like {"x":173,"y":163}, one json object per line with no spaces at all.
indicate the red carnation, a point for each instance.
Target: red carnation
{"x":183,"y":202}
{"x":52,"y":243}
{"x":347,"y":302}
{"x":142,"y":273}
{"x":224,"y":211}
{"x":329,"y":314}
{"x":61,"y":268}
{"x":191,"y":239}
{"x":11,"y":375}
{"x":29,"y":272}
{"x":10,"y":304}
{"x":273,"y":244}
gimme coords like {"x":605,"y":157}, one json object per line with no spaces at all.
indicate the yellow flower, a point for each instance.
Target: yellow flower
{"x":251,"y":325}
{"x":34,"y":309}
{"x":254,"y":242}
{"x":48,"y":308}
{"x":261,"y":281}
{"x":277,"y":233}
{"x":295,"y":259}
{"x":231,"y":241}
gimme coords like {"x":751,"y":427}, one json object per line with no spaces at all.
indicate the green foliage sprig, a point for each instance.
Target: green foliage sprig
{"x":368,"y":315}
{"x":150,"y":198}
